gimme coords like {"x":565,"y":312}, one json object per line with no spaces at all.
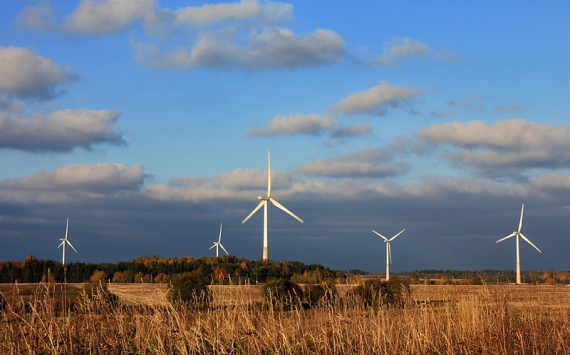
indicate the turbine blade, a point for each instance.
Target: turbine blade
{"x":253,"y":212}
{"x":68,"y":242}
{"x":520,"y":223}
{"x":380,"y":235}
{"x":212,"y":247}
{"x":280,"y":206}
{"x":268,"y":174}
{"x":60,"y":244}
{"x":224,"y":249}
{"x":394,"y":237}
{"x":529,"y":242}
{"x":507,"y":237}
{"x":66,"y":228}
{"x":220,"y":238}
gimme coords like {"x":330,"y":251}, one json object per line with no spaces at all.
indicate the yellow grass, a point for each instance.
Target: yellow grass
{"x":472,"y":320}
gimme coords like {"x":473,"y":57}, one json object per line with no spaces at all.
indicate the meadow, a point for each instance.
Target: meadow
{"x":137,"y":319}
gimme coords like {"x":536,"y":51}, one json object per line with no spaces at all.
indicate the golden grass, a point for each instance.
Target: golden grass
{"x":475,"y":320}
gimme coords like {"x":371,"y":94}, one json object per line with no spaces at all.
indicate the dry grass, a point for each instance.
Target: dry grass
{"x":477,"y":320}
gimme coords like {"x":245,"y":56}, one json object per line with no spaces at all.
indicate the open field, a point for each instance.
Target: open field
{"x":154,"y":294}
{"x":468,"y":320}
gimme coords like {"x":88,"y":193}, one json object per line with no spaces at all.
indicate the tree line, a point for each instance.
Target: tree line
{"x":223,"y":270}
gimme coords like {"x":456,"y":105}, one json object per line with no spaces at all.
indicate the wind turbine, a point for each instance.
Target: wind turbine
{"x":219,"y":243}
{"x":518,"y":233}
{"x":65,"y":241}
{"x":388,"y":250}
{"x":263,"y":204}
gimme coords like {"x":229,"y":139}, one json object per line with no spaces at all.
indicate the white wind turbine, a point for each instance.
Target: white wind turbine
{"x":388,"y":250}
{"x":518,"y":233}
{"x":263,"y":203}
{"x":65,"y":241}
{"x":219,"y":243}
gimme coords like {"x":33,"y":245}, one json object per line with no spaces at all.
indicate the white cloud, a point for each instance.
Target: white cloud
{"x":377,"y":100}
{"x":238,"y":184}
{"x":272,"y":48}
{"x":266,"y":12}
{"x":401,"y":48}
{"x":238,"y":34}
{"x":503,"y":134}
{"x":95,"y":177}
{"x":110,"y":16}
{"x":61,"y":131}
{"x":25,"y":74}
{"x":38,"y":17}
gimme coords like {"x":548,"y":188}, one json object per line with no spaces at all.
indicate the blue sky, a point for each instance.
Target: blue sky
{"x":147,"y":123}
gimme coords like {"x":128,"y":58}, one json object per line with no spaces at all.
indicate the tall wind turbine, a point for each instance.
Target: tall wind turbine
{"x":518,"y":233}
{"x":263,"y":204}
{"x":219,"y":243}
{"x":388,"y":250}
{"x":65,"y":241}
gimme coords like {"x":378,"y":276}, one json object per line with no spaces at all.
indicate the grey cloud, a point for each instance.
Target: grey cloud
{"x":25,"y":74}
{"x":61,"y":131}
{"x":296,"y":124}
{"x":311,"y":125}
{"x":351,"y":131}
{"x":377,"y":100}
{"x":365,"y":163}
{"x":507,"y":108}
{"x":505,"y":149}
{"x":332,"y":168}
{"x":450,"y":222}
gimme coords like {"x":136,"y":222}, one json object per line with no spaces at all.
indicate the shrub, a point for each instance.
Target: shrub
{"x":323,"y":294}
{"x":282,"y":294}
{"x":189,"y":289}
{"x":375,"y":293}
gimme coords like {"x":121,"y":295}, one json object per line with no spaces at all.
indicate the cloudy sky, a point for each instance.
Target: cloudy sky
{"x":147,"y":124}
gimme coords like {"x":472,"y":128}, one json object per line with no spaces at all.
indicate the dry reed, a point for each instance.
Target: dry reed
{"x":487,"y":321}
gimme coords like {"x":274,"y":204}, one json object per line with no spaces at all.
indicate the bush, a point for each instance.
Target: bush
{"x":323,"y":294}
{"x":282,"y":294}
{"x":189,"y":289}
{"x":376,"y":293}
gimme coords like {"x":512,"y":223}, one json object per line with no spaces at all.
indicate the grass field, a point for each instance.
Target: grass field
{"x":437,"y":320}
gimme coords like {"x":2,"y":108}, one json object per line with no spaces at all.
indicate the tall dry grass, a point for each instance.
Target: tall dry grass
{"x":488,"y":321}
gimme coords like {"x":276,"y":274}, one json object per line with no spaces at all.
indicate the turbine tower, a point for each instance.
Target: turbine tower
{"x":263,"y":204}
{"x":219,"y":243}
{"x":388,"y":250}
{"x":518,"y":233}
{"x":65,"y":241}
